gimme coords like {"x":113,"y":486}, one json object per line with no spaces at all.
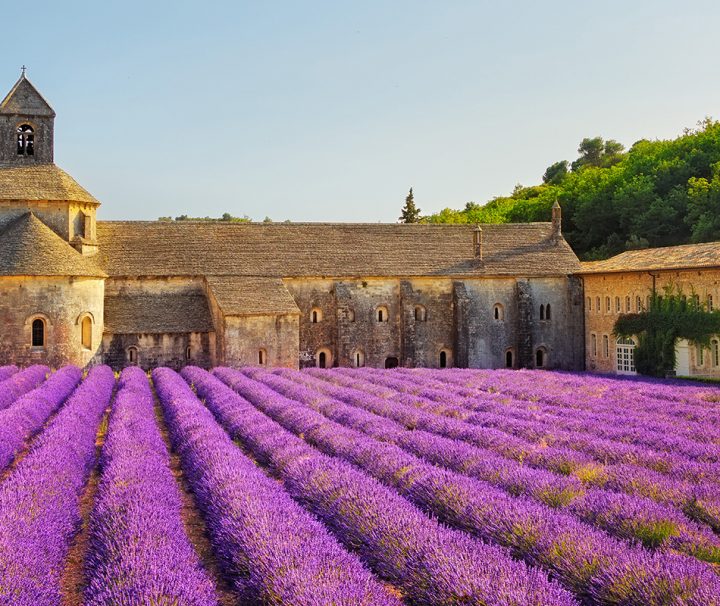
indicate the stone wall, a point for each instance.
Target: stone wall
{"x":61,"y":303}
{"x":276,"y":336}
{"x":158,"y":349}
{"x":611,"y":288}
{"x":427,"y":316}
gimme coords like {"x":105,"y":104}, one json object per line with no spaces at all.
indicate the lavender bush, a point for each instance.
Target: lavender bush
{"x":39,"y":509}
{"x":17,"y":384}
{"x":138,"y":550}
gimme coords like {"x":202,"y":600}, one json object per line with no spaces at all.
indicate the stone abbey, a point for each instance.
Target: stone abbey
{"x":74,"y":290}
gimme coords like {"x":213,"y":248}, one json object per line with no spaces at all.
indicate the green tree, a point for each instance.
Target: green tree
{"x":410,"y":213}
{"x":704,"y":207}
{"x":556,"y":173}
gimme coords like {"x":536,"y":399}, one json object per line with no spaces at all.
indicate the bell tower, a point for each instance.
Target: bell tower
{"x":27,"y":124}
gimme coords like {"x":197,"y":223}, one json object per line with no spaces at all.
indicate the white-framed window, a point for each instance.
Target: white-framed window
{"x":625,"y":356}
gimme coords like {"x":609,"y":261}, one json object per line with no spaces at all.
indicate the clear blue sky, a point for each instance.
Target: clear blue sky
{"x":331,"y":110}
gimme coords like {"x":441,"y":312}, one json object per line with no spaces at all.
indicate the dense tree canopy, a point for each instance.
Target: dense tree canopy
{"x":658,"y":193}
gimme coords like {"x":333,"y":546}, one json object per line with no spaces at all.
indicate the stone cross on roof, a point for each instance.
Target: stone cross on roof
{"x":23,"y":69}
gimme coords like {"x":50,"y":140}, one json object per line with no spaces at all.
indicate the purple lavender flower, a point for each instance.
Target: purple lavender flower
{"x":139,"y":552}
{"x":39,"y":509}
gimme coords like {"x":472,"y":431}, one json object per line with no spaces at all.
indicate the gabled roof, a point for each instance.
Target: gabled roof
{"x":157,"y":313}
{"x":687,"y":256}
{"x":25,"y":100}
{"x":251,"y":295}
{"x":28,"y":247}
{"x":41,"y":182}
{"x":134,"y":248}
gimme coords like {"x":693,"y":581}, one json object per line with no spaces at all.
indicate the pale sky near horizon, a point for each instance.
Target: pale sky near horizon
{"x":330,"y":110}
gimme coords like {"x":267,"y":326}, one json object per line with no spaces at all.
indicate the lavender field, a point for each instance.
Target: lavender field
{"x":356,"y":487}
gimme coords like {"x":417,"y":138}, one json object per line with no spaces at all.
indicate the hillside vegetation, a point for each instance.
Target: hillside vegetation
{"x":657,"y":193}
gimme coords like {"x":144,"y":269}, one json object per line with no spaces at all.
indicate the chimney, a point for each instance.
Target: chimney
{"x":478,"y":242}
{"x":556,"y":222}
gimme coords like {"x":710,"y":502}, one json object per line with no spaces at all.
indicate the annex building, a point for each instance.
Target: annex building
{"x":74,"y":290}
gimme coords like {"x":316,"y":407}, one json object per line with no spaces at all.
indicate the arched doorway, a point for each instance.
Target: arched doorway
{"x":391,"y":362}
{"x":443,"y":359}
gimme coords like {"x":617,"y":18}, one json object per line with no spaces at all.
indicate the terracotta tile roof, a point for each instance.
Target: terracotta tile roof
{"x":161,"y":313}
{"x":251,"y":295}
{"x":41,"y":182}
{"x":28,"y":247}
{"x":670,"y":257}
{"x":135,"y":248}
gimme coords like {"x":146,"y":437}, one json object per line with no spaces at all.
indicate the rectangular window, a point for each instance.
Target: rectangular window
{"x":606,"y":346}
{"x":618,"y":305}
{"x":607,"y":304}
{"x":700,"y":355}
{"x":589,"y":303}
{"x":593,"y":340}
{"x":597,"y":304}
{"x":627,"y":304}
{"x":638,"y":304}
{"x":709,"y":302}
{"x":716,"y":352}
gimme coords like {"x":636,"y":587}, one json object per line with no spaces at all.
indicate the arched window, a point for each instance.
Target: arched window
{"x":358,"y":358}
{"x":444,"y":360}
{"x":38,"y":332}
{"x":540,"y":357}
{"x":382,"y":314}
{"x":351,"y":315}
{"x":589,"y":303}
{"x":597,"y":305}
{"x":25,"y":140}
{"x":391,"y":362}
{"x":710,"y":303}
{"x":542,"y":312}
{"x":188,"y":352}
{"x":607,"y":304}
{"x":316,"y":315}
{"x":547,"y":311}
{"x":509,"y":362}
{"x":499,"y":312}
{"x":420,"y":313}
{"x":627,"y":304}
{"x":618,"y":305}
{"x":593,"y":344}
{"x":262,"y":357}
{"x":638,"y":304}
{"x":715,"y":346}
{"x":700,"y":355}
{"x":606,"y":346}
{"x":86,"y":332}
{"x":132,"y":355}
{"x":626,"y":356}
